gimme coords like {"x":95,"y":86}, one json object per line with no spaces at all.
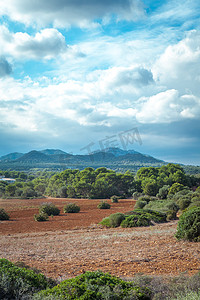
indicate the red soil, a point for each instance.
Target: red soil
{"x":70,"y":244}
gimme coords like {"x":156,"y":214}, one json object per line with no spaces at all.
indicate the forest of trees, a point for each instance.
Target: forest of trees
{"x":100,"y":183}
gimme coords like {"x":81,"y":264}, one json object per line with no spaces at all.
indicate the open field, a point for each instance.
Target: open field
{"x":70,"y":244}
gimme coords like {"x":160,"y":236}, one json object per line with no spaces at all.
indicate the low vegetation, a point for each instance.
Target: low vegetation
{"x":41,"y":217}
{"x":114,"y":199}
{"x":50,"y":209}
{"x":103,"y":205}
{"x":95,"y":285}
{"x":113,"y":220}
{"x":71,"y":208}
{"x":20,"y":283}
{"x":189,"y":225}
{"x":135,"y":218}
{"x":3,"y":215}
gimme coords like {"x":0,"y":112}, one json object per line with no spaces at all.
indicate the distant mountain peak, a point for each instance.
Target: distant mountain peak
{"x":52,"y":151}
{"x":119,"y":152}
{"x":11,"y":156}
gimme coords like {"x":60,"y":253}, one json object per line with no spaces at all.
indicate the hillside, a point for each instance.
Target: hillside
{"x":11,"y":156}
{"x":113,"y":158}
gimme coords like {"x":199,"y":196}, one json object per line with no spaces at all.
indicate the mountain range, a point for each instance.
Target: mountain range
{"x":114,"y":158}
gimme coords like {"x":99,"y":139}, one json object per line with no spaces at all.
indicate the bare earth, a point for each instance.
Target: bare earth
{"x":69,"y":244}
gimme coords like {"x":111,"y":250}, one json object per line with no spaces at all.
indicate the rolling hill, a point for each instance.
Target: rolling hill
{"x":114,"y":158}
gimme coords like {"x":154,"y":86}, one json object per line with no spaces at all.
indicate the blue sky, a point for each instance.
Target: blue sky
{"x":76,"y":73}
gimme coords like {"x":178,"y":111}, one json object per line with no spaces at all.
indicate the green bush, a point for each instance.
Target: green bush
{"x":183,"y":203}
{"x":113,"y":220}
{"x":20,"y":283}
{"x":171,"y":215}
{"x":175,"y":188}
{"x":114,"y":199}
{"x":140,"y":204}
{"x":189,"y":225}
{"x":136,"y":195}
{"x":95,"y":286}
{"x":173,"y":207}
{"x":160,"y":205}
{"x":105,"y":222}
{"x":144,"y":198}
{"x":41,"y":217}
{"x":103,"y":205}
{"x":194,"y":204}
{"x":143,"y":217}
{"x":163,"y":192}
{"x":195,"y":199}
{"x":3,"y":215}
{"x":71,"y":208}
{"x":188,"y":296}
{"x":50,"y":209}
{"x":135,"y":221}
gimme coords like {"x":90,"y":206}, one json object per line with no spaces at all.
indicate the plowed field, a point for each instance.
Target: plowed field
{"x":70,"y":244}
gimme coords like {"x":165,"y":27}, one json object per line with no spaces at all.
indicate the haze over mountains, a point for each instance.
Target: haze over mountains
{"x":114,"y":158}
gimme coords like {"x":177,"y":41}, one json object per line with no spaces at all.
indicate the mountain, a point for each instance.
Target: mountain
{"x":11,"y":156}
{"x":113,"y":158}
{"x":119,"y":152}
{"x":34,"y":157}
{"x":52,"y":152}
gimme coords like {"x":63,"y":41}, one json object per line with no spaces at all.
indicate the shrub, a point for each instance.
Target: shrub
{"x":95,"y":285}
{"x":195,"y":199}
{"x":144,"y":198}
{"x":3,"y":215}
{"x":171,"y":215}
{"x":194,"y":204}
{"x":20,"y":283}
{"x":151,"y":215}
{"x":189,"y":225}
{"x":183,"y":203}
{"x":103,"y":205}
{"x":163,"y":191}
{"x":197,"y":189}
{"x":172,"y":206}
{"x":114,"y":199}
{"x":41,"y":217}
{"x":176,"y":187}
{"x":113,"y":220}
{"x":50,"y":209}
{"x":159,"y":205}
{"x":140,"y":204}
{"x":136,"y":195}
{"x":71,"y":208}
{"x":105,"y":222}
{"x":135,"y":221}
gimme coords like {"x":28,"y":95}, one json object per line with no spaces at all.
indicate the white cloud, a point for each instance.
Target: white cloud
{"x":179,"y":66}
{"x":63,"y":13}
{"x":46,"y":44}
{"x":167,"y":107}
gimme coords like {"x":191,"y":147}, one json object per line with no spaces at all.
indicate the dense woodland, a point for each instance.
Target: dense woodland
{"x":100,"y":183}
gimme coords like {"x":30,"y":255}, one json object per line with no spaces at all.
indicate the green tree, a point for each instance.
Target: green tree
{"x":151,"y":188}
{"x":175,"y":188}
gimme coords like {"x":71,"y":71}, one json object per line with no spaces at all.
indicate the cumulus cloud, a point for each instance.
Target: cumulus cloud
{"x":46,"y":44}
{"x":179,"y":66}
{"x":5,"y":67}
{"x":168,"y":107}
{"x":62,"y":13}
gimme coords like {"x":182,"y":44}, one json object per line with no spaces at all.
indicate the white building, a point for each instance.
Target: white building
{"x":8,"y":180}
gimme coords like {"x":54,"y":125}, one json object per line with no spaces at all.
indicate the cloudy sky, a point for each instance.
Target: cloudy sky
{"x":75,"y":73}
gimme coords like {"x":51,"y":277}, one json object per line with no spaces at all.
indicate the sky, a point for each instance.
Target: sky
{"x":82,"y":75}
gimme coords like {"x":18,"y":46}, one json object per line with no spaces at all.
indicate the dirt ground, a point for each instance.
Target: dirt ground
{"x":70,"y":244}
